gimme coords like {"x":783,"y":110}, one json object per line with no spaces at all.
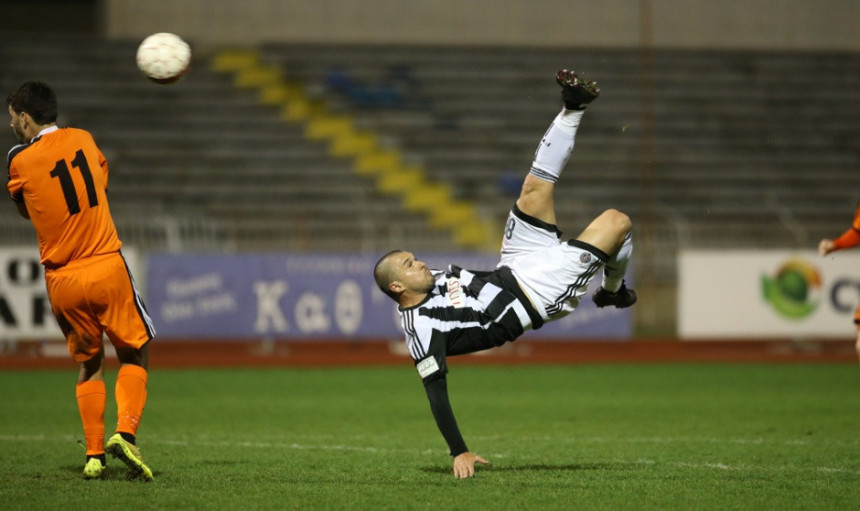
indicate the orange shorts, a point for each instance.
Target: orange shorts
{"x":96,"y":296}
{"x":857,"y":315}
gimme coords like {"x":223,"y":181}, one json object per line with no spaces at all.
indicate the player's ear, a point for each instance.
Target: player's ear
{"x":25,"y":119}
{"x":396,"y":287}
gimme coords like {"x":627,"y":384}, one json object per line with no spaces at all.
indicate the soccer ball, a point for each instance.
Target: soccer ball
{"x":163,"y":57}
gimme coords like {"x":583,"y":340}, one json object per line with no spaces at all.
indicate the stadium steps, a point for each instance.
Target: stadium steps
{"x":746,"y":148}
{"x":371,"y":159}
{"x":201,"y":153}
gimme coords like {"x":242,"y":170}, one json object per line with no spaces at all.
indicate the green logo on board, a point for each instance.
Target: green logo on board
{"x":794,"y":291}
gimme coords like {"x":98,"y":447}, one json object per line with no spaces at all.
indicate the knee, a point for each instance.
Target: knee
{"x":618,"y":221}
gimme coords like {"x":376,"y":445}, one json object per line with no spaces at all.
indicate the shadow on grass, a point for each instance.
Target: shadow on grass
{"x":115,"y":472}
{"x":540,"y":467}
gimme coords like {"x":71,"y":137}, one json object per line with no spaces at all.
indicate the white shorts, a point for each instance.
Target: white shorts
{"x":553,"y":273}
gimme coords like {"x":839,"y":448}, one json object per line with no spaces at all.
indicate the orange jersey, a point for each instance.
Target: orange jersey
{"x":62,"y":177}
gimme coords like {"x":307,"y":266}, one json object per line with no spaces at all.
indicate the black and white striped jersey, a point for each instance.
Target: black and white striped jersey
{"x":465,"y":312}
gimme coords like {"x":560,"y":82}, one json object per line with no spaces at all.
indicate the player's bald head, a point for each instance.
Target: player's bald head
{"x":385,"y":272}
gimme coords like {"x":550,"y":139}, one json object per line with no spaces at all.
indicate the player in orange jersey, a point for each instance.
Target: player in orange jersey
{"x":848,"y":239}
{"x":58,"y":179}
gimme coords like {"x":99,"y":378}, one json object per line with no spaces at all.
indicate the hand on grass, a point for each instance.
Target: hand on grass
{"x":464,"y":464}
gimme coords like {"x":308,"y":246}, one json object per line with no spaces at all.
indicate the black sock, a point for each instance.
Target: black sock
{"x":128,"y":437}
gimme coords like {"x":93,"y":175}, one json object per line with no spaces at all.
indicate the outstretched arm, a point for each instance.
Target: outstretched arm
{"x":849,"y":238}
{"x":464,"y":461}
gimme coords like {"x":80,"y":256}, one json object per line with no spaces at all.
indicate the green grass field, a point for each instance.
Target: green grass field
{"x":674,"y":436}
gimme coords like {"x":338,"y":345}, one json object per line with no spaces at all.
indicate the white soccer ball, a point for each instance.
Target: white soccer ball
{"x":163,"y":57}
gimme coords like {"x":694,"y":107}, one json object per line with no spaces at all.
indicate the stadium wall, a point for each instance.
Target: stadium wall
{"x":729,"y":24}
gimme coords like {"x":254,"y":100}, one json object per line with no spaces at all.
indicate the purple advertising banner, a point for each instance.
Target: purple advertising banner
{"x":323,"y":296}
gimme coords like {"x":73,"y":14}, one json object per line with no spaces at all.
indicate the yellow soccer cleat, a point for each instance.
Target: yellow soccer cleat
{"x":129,"y":454}
{"x":93,"y":469}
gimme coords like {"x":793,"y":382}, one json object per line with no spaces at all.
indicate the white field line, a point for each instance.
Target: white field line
{"x":678,"y":440}
{"x":202,"y":442}
{"x":248,"y":444}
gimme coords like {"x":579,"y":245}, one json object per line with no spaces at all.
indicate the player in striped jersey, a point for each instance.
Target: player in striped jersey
{"x":58,"y":179}
{"x":538,"y":279}
{"x":848,"y":239}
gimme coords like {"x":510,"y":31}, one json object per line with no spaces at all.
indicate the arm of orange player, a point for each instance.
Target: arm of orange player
{"x":848,"y":239}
